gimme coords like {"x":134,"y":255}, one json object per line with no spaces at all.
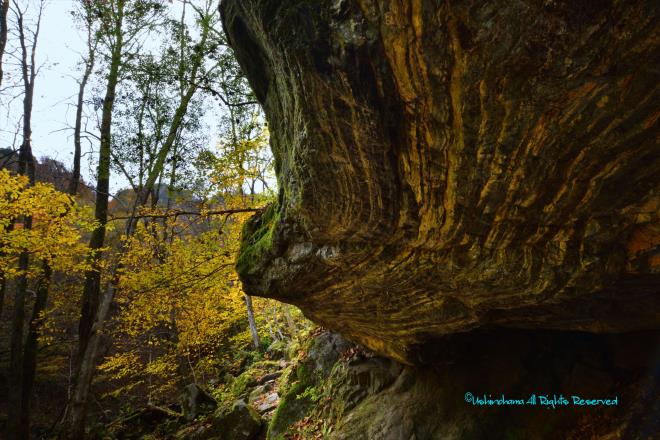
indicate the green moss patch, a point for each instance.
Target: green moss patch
{"x":257,"y":239}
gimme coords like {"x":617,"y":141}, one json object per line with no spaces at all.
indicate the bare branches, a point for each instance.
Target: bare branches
{"x":123,"y":169}
{"x":224,"y":100}
{"x":89,"y":61}
{"x":177,"y":213}
{"x":29,"y":72}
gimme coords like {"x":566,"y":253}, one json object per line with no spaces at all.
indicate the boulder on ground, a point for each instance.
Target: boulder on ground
{"x":267,"y":403}
{"x":143,"y":421}
{"x":241,"y":422}
{"x":260,"y":390}
{"x":195,"y":401}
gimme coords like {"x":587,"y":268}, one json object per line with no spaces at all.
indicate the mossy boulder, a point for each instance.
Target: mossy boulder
{"x":145,"y":421}
{"x":292,"y":408}
{"x":240,"y":386}
{"x":278,"y":350}
{"x":352,"y":381}
{"x":240,"y":422}
{"x":324,"y":351}
{"x":300,"y":386}
{"x":195,"y":401}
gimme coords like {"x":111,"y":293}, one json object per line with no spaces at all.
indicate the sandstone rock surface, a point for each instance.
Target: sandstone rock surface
{"x":446,"y":166}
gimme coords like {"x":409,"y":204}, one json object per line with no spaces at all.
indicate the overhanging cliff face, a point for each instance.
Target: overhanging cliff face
{"x":450,"y":165}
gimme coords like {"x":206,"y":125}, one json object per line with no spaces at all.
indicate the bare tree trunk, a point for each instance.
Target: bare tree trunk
{"x":32,"y":343}
{"x":89,"y":66}
{"x":253,"y":325}
{"x":17,"y":412}
{"x":4,"y":10}
{"x":77,"y":410}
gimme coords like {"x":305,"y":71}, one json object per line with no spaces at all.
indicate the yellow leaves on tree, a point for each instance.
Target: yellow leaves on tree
{"x":241,"y":162}
{"x":181,"y":303}
{"x":58,"y":224}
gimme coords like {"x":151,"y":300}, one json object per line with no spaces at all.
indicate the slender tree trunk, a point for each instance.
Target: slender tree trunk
{"x":3,"y":291}
{"x":79,"y":400}
{"x":74,"y":416}
{"x":4,"y":10}
{"x":3,"y":280}
{"x":92,"y":289}
{"x":253,"y":325}
{"x":289,"y":320}
{"x":179,"y":114}
{"x":15,"y":430}
{"x":32,"y":343}
{"x":89,"y":65}
{"x":172,"y":135}
{"x":94,"y":307}
{"x":17,"y":413}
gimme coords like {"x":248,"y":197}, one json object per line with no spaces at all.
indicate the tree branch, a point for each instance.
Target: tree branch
{"x":177,"y":213}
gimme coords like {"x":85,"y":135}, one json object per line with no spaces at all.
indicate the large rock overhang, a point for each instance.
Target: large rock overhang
{"x":451,"y":165}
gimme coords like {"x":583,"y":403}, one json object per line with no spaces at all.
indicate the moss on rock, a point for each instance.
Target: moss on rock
{"x":257,"y":239}
{"x":303,"y":386}
{"x":293,"y":407}
{"x":241,"y":422}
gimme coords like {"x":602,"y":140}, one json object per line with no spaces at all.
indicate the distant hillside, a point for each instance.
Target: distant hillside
{"x":49,"y":171}
{"x":176,"y":199}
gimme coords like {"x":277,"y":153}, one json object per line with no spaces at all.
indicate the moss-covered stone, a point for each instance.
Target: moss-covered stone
{"x":240,"y":422}
{"x":292,"y":408}
{"x":257,"y":239}
{"x":278,"y":350}
{"x":301,"y":385}
{"x":195,"y":401}
{"x":239,"y":387}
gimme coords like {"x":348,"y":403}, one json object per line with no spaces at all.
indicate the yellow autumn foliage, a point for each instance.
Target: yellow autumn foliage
{"x":58,"y":225}
{"x":181,"y":304}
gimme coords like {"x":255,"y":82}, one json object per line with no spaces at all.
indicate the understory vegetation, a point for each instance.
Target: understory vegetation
{"x":119,"y":292}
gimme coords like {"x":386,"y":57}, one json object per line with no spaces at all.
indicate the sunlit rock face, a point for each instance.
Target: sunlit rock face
{"x":451,"y":165}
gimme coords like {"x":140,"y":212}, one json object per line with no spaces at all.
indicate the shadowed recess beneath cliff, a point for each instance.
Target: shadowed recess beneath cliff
{"x":502,"y":383}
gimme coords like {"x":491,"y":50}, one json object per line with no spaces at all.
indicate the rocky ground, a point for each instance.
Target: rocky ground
{"x":326,"y":387}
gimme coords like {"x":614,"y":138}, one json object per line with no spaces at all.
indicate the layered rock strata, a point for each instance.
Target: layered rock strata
{"x":451,"y":165}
